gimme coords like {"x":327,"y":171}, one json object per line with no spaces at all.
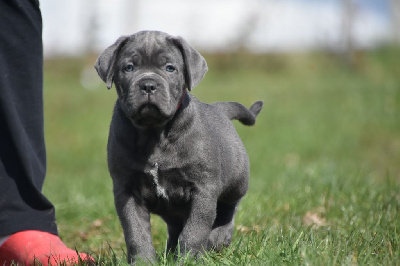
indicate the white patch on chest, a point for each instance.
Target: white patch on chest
{"x":153,"y":172}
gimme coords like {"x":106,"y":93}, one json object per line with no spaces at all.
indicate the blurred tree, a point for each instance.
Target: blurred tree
{"x":88,"y":77}
{"x":348,"y":17}
{"x":131,"y":15}
{"x":247,"y":28}
{"x":91,"y":26}
{"x":395,"y":8}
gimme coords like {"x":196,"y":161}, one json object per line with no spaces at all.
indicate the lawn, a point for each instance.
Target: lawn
{"x":324,"y":153}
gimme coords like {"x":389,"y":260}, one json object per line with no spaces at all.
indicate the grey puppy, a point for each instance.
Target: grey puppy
{"x":169,"y":153}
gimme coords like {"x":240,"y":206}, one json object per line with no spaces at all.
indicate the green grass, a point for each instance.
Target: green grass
{"x":325,"y":159}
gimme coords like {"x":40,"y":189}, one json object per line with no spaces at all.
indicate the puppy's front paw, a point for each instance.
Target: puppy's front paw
{"x":220,"y":238}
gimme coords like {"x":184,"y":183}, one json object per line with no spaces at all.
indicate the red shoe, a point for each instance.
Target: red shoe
{"x":34,"y":247}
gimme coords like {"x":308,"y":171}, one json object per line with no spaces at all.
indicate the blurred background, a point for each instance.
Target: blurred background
{"x":326,"y":145}
{"x":262,"y":26}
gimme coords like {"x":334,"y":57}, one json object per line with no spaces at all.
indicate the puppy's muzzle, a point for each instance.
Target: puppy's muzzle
{"x":148,"y":86}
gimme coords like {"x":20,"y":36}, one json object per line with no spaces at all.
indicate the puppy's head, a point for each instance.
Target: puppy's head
{"x":151,"y":71}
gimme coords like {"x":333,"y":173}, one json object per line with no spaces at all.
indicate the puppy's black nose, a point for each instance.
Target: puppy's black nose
{"x":148,"y":86}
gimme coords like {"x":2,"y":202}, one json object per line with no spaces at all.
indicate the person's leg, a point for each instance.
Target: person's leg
{"x":22,"y":148}
{"x":28,"y":230}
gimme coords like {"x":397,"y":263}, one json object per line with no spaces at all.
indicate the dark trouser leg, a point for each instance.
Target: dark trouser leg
{"x":22,"y":147}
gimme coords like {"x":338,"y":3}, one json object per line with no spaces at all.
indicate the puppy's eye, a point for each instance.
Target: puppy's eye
{"x":170,"y":68}
{"x":129,"y":68}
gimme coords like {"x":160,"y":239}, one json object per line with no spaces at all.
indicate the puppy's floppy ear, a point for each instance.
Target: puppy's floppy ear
{"x":106,"y":62}
{"x":196,"y":66}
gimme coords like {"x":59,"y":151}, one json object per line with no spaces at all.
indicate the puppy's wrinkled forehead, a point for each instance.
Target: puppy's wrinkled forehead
{"x":150,"y":46}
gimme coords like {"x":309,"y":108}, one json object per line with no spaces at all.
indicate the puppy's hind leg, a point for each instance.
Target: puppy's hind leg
{"x":221,"y":234}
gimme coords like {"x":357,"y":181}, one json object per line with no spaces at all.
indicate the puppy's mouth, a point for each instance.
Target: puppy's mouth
{"x":149,"y":110}
{"x":150,"y":115}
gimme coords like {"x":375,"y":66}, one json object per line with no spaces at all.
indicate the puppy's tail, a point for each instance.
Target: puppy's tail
{"x":239,"y":112}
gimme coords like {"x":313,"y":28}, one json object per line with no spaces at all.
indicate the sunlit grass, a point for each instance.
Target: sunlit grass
{"x":325,"y":153}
